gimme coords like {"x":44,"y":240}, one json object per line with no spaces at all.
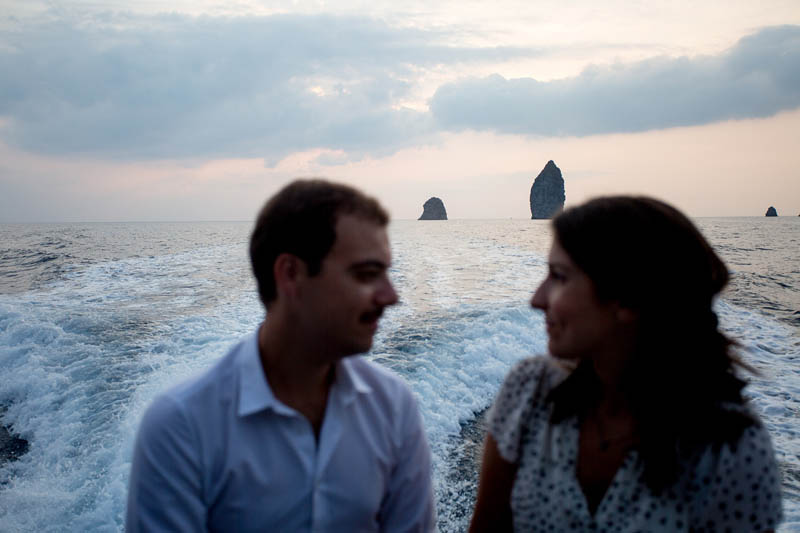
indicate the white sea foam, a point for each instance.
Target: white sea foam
{"x":82,"y":358}
{"x":81,"y":361}
{"x":773,"y":348}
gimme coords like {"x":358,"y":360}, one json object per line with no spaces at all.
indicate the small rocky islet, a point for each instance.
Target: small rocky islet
{"x":433,"y":209}
{"x":547,"y":197}
{"x":547,"y":192}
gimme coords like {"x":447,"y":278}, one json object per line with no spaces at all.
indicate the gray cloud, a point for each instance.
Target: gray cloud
{"x":758,"y":77}
{"x":174,"y":86}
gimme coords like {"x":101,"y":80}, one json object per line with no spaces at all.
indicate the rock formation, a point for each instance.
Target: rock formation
{"x":771,"y":212}
{"x":433,"y":209}
{"x":547,"y":192}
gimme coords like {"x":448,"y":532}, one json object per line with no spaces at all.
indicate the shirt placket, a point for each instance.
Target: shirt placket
{"x":330,"y":433}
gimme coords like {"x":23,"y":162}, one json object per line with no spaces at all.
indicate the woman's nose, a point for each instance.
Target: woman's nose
{"x":539,"y":298}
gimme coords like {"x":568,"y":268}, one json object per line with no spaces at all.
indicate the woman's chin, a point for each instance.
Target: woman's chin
{"x":561,"y":353}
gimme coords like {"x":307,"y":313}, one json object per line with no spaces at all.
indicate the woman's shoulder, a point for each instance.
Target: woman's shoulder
{"x":540,"y":367}
{"x":525,"y":388}
{"x":521,"y":404}
{"x":752,"y":443}
{"x":740,"y":479}
{"x":539,"y":372}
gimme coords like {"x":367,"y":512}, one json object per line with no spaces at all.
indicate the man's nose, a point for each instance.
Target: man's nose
{"x":386,"y":295}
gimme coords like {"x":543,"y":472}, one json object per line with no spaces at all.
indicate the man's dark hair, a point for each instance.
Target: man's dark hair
{"x":301,"y":220}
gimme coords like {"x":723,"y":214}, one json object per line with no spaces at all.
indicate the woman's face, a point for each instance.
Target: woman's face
{"x":579,"y":325}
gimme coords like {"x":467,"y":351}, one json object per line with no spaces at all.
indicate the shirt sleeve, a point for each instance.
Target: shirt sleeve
{"x":165,"y":490}
{"x":745,"y":493}
{"x":408,"y":504}
{"x":512,"y":405}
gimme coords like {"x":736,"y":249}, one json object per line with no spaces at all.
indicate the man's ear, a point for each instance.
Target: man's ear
{"x":626,"y":315}
{"x":288,"y":270}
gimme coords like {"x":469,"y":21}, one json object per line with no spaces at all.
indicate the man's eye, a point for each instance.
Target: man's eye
{"x":367,"y":275}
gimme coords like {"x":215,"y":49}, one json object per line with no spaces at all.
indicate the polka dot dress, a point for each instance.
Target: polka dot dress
{"x":731,"y":488}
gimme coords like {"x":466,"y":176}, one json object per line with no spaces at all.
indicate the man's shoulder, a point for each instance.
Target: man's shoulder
{"x":386,"y":390}
{"x":384,"y":398}
{"x":377,"y":376}
{"x":210,"y":388}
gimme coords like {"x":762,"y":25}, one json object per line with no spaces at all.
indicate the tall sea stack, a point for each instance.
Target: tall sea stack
{"x":433,"y":209}
{"x":547,"y":192}
{"x":771,"y":212}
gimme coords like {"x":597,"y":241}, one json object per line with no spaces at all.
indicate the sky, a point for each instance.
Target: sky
{"x":200,"y":110}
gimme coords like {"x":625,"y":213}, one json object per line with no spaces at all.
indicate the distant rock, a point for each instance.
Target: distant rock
{"x":771,"y":212}
{"x":547,"y":192}
{"x":433,"y":209}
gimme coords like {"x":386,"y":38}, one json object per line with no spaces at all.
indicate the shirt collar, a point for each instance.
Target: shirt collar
{"x":256,"y":395}
{"x":349,"y":381}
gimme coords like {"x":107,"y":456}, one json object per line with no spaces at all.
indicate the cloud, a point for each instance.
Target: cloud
{"x":135,"y":87}
{"x":758,"y":77}
{"x":178,"y":86}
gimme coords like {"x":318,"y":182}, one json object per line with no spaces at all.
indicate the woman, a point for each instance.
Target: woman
{"x":637,"y":421}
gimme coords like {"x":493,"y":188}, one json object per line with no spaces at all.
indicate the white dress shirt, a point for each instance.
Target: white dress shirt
{"x":222,"y":453}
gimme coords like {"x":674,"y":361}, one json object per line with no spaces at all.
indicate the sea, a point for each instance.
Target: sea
{"x":98,"y":318}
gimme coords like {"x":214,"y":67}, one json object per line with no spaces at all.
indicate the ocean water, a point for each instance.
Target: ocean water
{"x":96,"y":319}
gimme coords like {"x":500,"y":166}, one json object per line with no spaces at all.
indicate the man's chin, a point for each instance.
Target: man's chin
{"x":359,"y":348}
{"x":366,"y":347}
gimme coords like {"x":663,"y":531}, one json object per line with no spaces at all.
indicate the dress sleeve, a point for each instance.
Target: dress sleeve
{"x":513,"y":405}
{"x":745,"y":493}
{"x":165,"y":491}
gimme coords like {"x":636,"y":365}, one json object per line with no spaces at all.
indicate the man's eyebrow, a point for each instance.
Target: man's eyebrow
{"x":369,"y":263}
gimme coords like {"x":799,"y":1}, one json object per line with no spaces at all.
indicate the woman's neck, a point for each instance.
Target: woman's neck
{"x":612,"y":399}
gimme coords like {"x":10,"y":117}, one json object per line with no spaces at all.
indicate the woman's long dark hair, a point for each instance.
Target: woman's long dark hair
{"x":650,"y":258}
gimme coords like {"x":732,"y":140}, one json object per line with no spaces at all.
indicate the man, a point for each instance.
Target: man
{"x":287,"y":433}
